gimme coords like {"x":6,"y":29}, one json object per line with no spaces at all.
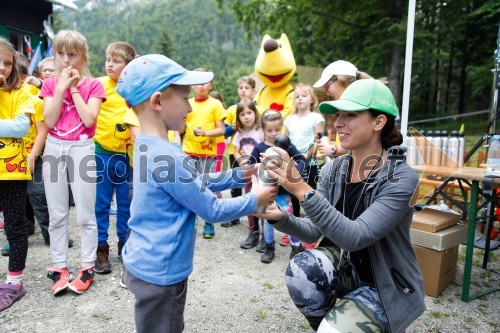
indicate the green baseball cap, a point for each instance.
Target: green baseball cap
{"x":363,"y":95}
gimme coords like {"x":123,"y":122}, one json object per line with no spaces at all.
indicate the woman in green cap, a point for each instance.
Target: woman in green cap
{"x":363,"y":276}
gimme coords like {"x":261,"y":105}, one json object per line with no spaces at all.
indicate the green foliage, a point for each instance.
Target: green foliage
{"x":453,"y":44}
{"x":193,"y":33}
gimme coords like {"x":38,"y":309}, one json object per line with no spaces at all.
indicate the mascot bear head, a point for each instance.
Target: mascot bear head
{"x":275,"y":64}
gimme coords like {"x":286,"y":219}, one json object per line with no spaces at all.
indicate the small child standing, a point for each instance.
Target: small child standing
{"x":158,"y":255}
{"x":302,"y":126}
{"x":245,"y":86}
{"x":203,"y":125}
{"x":113,"y":168}
{"x":272,"y":125}
{"x":249,"y":134}
{"x":71,"y":104}
{"x":16,"y":106}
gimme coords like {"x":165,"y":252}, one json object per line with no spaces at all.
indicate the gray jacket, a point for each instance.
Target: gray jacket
{"x":383,"y":227}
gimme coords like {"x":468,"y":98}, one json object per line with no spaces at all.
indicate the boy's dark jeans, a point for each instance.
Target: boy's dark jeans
{"x":38,"y":200}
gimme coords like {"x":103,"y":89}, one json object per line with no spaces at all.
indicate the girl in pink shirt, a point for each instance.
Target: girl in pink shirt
{"x":71,"y":104}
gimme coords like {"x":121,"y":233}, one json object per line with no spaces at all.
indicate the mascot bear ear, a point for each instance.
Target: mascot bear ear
{"x":285,"y":43}
{"x":264,"y":40}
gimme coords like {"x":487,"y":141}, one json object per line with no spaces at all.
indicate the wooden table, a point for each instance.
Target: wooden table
{"x":474,"y":177}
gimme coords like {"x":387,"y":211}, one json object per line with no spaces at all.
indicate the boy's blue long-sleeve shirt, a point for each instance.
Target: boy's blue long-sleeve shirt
{"x":167,"y":197}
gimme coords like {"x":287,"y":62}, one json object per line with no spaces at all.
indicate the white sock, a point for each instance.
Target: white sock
{"x":14,"y":279}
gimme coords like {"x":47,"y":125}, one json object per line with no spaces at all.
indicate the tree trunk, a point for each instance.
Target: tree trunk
{"x":448,"y":80}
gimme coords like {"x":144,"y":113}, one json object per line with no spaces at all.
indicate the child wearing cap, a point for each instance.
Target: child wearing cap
{"x":364,"y":272}
{"x":335,"y":78}
{"x":169,"y":193}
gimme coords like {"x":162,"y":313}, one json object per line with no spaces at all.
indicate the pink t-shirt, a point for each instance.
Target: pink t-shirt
{"x":245,"y":141}
{"x":70,"y":126}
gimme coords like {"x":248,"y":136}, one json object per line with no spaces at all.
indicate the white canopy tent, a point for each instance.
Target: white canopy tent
{"x":407,"y":73}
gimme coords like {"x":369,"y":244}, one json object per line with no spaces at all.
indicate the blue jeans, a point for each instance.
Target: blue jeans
{"x":281,"y":201}
{"x":112,"y":176}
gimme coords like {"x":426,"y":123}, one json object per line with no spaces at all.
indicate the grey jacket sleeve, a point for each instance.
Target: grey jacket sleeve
{"x":15,"y":128}
{"x":390,"y":202}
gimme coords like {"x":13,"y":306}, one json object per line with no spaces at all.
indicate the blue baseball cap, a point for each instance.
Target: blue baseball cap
{"x":145,"y":75}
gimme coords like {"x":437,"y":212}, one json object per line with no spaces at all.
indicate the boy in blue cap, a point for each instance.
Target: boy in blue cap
{"x":168,"y":194}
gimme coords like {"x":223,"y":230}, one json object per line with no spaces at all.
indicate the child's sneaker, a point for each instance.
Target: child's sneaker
{"x":61,"y":278}
{"x":285,"y":240}
{"x":208,"y":231}
{"x":250,"y":241}
{"x":268,"y":255}
{"x":261,"y":247}
{"x":9,"y":293}
{"x":295,"y":250}
{"x":83,"y":280}
{"x":5,"y":250}
{"x":309,"y":246}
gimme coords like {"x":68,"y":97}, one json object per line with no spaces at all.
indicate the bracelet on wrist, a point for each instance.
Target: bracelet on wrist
{"x":75,"y":92}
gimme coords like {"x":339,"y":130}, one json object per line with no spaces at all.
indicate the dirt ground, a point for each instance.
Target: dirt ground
{"x":230,"y":290}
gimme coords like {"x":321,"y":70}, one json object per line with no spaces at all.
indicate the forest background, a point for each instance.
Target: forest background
{"x":452,"y":54}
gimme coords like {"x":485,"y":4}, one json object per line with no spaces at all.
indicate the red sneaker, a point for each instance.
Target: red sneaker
{"x":61,"y":278}
{"x":310,"y":246}
{"x":285,"y":240}
{"x":83,"y":280}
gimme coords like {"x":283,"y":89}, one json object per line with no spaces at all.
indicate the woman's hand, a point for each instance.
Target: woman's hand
{"x":284,"y":170}
{"x":265,"y":194}
{"x":272,"y":213}
{"x":34,"y":81}
{"x":3,"y":80}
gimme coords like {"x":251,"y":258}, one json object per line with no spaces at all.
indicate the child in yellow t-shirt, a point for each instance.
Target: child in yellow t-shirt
{"x":36,"y":205}
{"x":132,"y":122}
{"x":15,"y":107}
{"x":203,"y":125}
{"x":111,"y":137}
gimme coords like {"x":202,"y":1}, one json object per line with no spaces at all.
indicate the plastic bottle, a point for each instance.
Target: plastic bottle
{"x":323,"y":138}
{"x":437,"y":154}
{"x":453,"y":146}
{"x":420,"y":145}
{"x":493,"y":160}
{"x":411,"y":156}
{"x":428,"y":147}
{"x":444,"y":137}
{"x":461,"y":148}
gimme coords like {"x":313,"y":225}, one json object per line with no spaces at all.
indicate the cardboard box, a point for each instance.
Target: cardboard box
{"x":438,"y":268}
{"x":441,"y":240}
{"x":433,"y":220}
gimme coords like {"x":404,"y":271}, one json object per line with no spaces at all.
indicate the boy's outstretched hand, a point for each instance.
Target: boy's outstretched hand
{"x":265,"y":194}
{"x":248,"y":171}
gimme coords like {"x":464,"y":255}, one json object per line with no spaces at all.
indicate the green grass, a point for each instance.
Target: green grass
{"x":261,"y":315}
{"x":268,"y":285}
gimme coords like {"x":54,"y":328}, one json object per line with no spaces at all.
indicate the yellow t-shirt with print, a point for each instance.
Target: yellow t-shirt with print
{"x":205,"y":114}
{"x":131,"y":119}
{"x":231,"y":118}
{"x":13,"y":155}
{"x":110,"y":131}
{"x":36,"y":117}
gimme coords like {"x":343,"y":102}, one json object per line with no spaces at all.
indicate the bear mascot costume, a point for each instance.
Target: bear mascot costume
{"x":275,"y":66}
